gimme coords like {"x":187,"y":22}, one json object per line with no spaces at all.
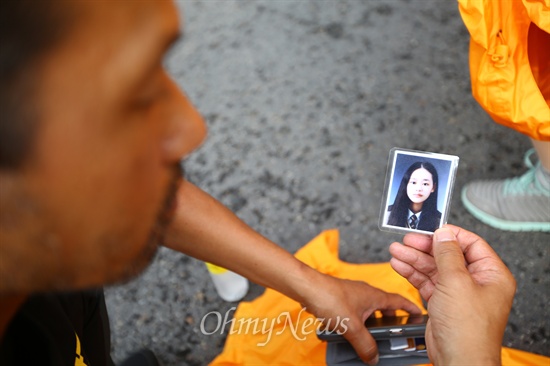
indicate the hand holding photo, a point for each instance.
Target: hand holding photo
{"x":418,"y":191}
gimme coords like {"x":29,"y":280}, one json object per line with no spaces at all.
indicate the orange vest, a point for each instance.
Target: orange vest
{"x":275,"y":330}
{"x":510,"y":61}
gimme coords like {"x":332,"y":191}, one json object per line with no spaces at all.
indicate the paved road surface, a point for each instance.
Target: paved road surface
{"x":304,"y":99}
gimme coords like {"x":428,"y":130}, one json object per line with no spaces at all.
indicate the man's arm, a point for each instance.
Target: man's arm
{"x":205,"y":229}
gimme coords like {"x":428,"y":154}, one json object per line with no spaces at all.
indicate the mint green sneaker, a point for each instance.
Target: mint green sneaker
{"x":514,"y":204}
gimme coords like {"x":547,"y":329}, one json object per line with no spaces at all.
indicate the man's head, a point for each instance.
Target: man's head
{"x":93,"y":130}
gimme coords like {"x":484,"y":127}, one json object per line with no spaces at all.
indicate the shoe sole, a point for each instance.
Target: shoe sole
{"x":500,"y":223}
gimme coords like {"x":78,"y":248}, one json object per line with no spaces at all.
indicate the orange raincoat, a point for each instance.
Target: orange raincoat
{"x":510,"y":61}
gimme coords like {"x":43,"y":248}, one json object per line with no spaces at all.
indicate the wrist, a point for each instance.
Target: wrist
{"x":305,"y":284}
{"x":481,"y":360}
{"x":473,"y":354}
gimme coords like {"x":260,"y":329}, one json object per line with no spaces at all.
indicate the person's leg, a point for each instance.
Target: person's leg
{"x":543,"y":151}
{"x":516,"y":204}
{"x":521,"y":203}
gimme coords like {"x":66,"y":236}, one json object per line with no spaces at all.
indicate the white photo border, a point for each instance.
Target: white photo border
{"x":446,"y":167}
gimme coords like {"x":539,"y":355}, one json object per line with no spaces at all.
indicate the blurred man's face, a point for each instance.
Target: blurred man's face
{"x":89,"y":205}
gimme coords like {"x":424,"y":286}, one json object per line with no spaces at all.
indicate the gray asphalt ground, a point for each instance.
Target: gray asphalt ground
{"x":304,"y":100}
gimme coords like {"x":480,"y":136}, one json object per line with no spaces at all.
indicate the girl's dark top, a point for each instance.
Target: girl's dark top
{"x":429,"y":221}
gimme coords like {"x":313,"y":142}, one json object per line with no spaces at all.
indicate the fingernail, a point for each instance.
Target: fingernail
{"x":374,"y":361}
{"x":444,"y":234}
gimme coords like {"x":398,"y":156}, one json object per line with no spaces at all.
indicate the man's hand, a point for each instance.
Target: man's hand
{"x":469,"y":292}
{"x":205,"y":229}
{"x":338,"y":299}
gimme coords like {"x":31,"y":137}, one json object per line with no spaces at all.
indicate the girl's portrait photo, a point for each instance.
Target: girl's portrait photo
{"x":419,"y":191}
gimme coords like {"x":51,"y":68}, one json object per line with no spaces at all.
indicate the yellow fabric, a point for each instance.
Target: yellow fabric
{"x":514,"y":357}
{"x":79,"y":359}
{"x":293,"y":340}
{"x":512,"y":88}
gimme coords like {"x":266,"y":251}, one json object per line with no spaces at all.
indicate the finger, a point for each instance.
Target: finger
{"x":398,"y":302}
{"x":388,"y":312}
{"x":421,"y":242}
{"x":447,"y":252}
{"x":421,"y":282}
{"x":470,"y":242}
{"x":483,"y":264}
{"x":402,"y":268}
{"x":479,"y":256}
{"x":475,"y":248}
{"x":421,"y":261}
{"x":363,"y":343}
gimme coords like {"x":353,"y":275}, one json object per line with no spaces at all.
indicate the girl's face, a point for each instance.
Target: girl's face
{"x":420,"y":186}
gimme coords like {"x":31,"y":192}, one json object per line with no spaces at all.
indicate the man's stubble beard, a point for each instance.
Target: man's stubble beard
{"x":36,"y":267}
{"x":156,"y":237}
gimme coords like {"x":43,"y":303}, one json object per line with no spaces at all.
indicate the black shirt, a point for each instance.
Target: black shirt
{"x":59,"y":329}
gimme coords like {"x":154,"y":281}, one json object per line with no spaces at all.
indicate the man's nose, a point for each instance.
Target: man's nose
{"x":185,"y":126}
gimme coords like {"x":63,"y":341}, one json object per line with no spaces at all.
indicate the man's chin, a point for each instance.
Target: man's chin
{"x":138,"y":265}
{"x":156,"y":238}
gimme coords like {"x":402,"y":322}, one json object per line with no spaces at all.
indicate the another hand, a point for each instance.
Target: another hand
{"x":469,"y":292}
{"x":205,"y":229}
{"x":338,"y":299}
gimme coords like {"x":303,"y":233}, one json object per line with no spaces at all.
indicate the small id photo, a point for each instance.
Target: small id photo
{"x":418,"y":191}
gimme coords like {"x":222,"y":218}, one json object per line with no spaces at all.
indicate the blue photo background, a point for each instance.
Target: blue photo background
{"x":404,"y":161}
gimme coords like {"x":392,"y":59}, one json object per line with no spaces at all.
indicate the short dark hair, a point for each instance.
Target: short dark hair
{"x":28,"y":30}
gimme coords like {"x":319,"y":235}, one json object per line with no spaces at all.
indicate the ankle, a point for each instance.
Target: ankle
{"x":543,"y":177}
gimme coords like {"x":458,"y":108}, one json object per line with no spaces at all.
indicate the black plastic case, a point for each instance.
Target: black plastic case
{"x":340,"y":352}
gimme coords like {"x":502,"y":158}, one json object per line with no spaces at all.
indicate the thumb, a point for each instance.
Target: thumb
{"x":363,"y":343}
{"x":447,"y":252}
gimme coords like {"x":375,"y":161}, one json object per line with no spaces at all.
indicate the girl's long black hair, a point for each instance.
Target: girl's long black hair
{"x":402,"y":203}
